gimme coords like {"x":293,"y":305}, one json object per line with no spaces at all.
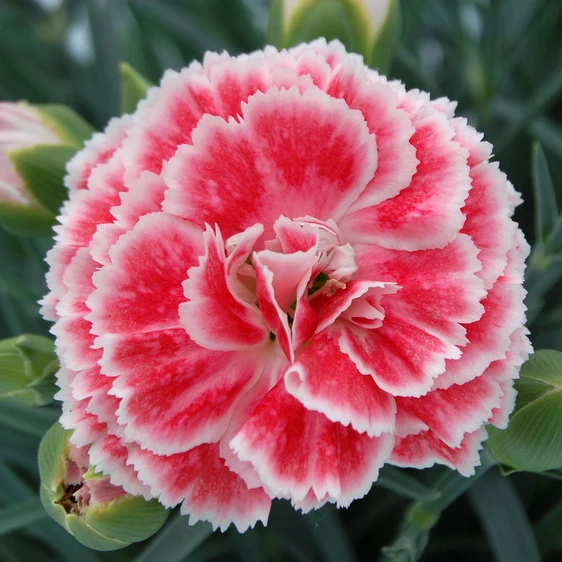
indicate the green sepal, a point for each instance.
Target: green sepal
{"x":275,"y":24}
{"x":42,"y":168}
{"x":332,"y":19}
{"x":133,"y":88}
{"x":27,"y":367}
{"x":387,"y":40}
{"x":26,"y":219}
{"x":127,"y":518}
{"x":52,"y":456}
{"x":532,"y":440}
{"x":346,"y":20}
{"x":65,"y":123}
{"x":105,"y":526}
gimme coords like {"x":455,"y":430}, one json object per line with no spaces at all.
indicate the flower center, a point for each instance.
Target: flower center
{"x":283,"y":290}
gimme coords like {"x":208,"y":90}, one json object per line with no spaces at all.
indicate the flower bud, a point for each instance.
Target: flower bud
{"x":98,"y":514}
{"x":35,"y":144}
{"x":27,"y":370}
{"x":368,"y":27}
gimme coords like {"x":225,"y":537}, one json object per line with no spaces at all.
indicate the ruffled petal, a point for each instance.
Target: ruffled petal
{"x":295,"y":451}
{"x":426,"y":449}
{"x":391,"y":126}
{"x":427,"y":214}
{"x":218,"y":315}
{"x":175,"y":395}
{"x":142,"y":288}
{"x":489,"y":338}
{"x":109,"y":455}
{"x":403,"y":358}
{"x":208,"y":490}
{"x":239,"y":174}
{"x":440,"y":289}
{"x":325,"y":380}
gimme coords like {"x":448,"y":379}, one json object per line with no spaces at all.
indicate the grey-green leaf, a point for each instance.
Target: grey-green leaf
{"x":503,"y":518}
{"x":27,"y":366}
{"x":546,"y":214}
{"x":176,"y":542}
{"x":133,"y":88}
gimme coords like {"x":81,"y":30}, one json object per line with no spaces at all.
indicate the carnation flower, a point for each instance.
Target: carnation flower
{"x":21,"y":126}
{"x":282,"y":272}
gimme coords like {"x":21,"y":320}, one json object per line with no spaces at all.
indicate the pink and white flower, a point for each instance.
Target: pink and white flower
{"x":21,"y":127}
{"x":279,"y":274}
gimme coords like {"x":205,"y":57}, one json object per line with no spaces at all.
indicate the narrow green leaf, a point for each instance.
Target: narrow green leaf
{"x":548,"y":530}
{"x":422,"y":516}
{"x":43,"y":168}
{"x":503,"y":518}
{"x":20,"y":515}
{"x":178,"y":22}
{"x":545,"y":94}
{"x":399,"y":481}
{"x":26,"y":220}
{"x":546,"y":209}
{"x":28,"y":420}
{"x":248,"y":546}
{"x":133,"y":88}
{"x":176,"y":541}
{"x":331,"y":537}
{"x":546,"y":131}
{"x":290,"y":534}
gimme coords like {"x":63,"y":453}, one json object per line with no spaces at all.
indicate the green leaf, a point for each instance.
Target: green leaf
{"x":503,"y":518}
{"x":176,"y":541}
{"x":43,"y":168}
{"x":546,"y":213}
{"x":547,"y":530}
{"x":29,"y":420}
{"x":133,"y":88}
{"x":66,"y":124}
{"x":404,"y":484}
{"x":20,"y":515}
{"x":27,"y":367}
{"x":544,"y":95}
{"x":423,"y":515}
{"x":330,"y":535}
{"x":29,"y":220}
{"x":532,"y":440}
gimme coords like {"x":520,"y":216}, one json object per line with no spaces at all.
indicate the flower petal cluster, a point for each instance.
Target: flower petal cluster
{"x":282,"y":272}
